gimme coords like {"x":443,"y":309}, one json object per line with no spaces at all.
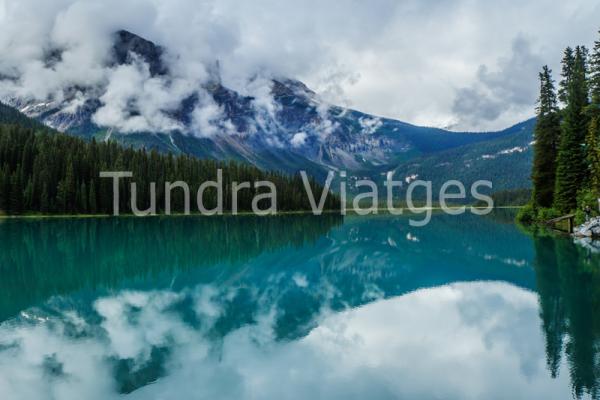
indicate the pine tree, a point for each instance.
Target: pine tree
{"x":70,"y":188}
{"x":16,"y":193}
{"x":28,"y":195}
{"x":83,"y":198}
{"x":92,"y":199}
{"x":594,"y":78}
{"x":571,"y":170}
{"x":593,"y":136}
{"x":568,"y":62}
{"x":62,"y":196}
{"x":3,"y":191}
{"x":547,"y":133}
{"x":44,"y":199}
{"x":593,"y":154}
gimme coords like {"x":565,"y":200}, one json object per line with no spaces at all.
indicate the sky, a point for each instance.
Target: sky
{"x":464,"y":64}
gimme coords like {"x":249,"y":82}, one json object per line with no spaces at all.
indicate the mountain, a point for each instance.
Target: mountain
{"x":11,"y":116}
{"x":300,"y":132}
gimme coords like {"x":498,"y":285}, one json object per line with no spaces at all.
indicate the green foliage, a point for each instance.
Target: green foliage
{"x":579,"y":217}
{"x":510,"y":197}
{"x":54,"y":173}
{"x":593,"y":152}
{"x":571,"y":170}
{"x":545,"y":214}
{"x":527,"y":215}
{"x":588,"y":198}
{"x":530,"y":214}
{"x":595,"y":73}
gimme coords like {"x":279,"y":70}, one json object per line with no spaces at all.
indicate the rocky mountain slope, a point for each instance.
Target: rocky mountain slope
{"x":298,"y":131}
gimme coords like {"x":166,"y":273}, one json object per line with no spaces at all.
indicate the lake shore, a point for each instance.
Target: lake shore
{"x":380,"y":211}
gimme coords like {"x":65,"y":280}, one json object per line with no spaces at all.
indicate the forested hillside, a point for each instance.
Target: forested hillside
{"x":49,"y":172}
{"x":11,"y":116}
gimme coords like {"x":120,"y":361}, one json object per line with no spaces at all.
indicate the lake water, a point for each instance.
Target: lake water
{"x":295,"y":307}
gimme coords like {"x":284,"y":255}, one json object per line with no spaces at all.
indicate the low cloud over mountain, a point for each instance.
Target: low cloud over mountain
{"x":434,"y":63}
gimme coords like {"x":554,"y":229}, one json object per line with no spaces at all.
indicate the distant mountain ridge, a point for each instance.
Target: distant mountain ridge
{"x":303,"y":133}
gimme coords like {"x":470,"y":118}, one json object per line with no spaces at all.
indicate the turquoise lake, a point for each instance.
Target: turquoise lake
{"x":296,"y":307}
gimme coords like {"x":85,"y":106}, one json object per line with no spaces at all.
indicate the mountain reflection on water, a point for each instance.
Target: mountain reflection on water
{"x":295,"y":307}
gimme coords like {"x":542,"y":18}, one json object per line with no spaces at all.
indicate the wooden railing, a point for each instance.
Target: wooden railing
{"x":570,"y":218}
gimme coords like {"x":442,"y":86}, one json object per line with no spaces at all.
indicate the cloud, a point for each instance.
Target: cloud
{"x":510,"y":87}
{"x":134,"y":101}
{"x":208,"y":118}
{"x":433,"y":62}
{"x":298,"y":139}
{"x":370,"y":125}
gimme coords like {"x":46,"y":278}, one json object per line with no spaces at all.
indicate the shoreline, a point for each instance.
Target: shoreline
{"x":380,"y":211}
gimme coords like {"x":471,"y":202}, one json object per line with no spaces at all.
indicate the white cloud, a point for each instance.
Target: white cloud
{"x":428,"y":62}
{"x":298,"y":139}
{"x":510,"y":88}
{"x":370,"y":125}
{"x":208,"y":118}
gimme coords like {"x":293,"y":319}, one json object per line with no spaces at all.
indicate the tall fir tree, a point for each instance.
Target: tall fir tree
{"x":82,"y":198}
{"x":547,"y":134}
{"x":568,"y":62}
{"x":16,"y":192}
{"x":593,"y":136}
{"x":3,"y":188}
{"x":44,"y":199}
{"x":92,"y":199}
{"x":571,"y":169}
{"x":593,"y":154}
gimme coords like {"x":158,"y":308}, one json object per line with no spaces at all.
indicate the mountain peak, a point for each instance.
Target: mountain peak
{"x":127,"y":44}
{"x":292,"y":129}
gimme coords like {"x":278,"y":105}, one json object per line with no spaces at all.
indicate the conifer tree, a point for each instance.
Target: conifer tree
{"x":3,"y":191}
{"x":547,"y":133}
{"x":92,"y":199}
{"x":70,"y":188}
{"x":593,"y":136}
{"x":44,"y":199}
{"x":572,"y":170}
{"x":16,"y":192}
{"x":62,"y":196}
{"x":28,"y":195}
{"x":568,"y":62}
{"x":82,"y":198}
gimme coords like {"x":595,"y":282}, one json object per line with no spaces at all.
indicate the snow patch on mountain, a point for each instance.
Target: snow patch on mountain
{"x":513,"y":150}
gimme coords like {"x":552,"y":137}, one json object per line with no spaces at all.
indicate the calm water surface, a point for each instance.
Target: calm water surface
{"x":295,"y":307}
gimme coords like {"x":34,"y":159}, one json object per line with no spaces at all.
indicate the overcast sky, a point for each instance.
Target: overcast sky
{"x":463,"y":64}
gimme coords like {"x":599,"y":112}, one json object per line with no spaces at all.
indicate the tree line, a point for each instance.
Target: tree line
{"x":566,"y":164}
{"x":43,"y":171}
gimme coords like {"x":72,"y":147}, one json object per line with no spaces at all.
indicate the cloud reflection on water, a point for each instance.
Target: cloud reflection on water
{"x":459,"y":341}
